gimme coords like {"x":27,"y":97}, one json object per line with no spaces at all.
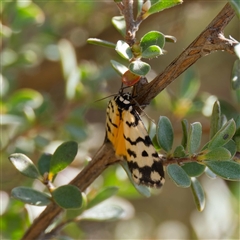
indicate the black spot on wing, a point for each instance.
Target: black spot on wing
{"x":111,"y":122}
{"x":155,"y":155}
{"x":146,"y":140}
{"x":146,"y":172}
{"x":144,"y":153}
{"x":131,"y":153}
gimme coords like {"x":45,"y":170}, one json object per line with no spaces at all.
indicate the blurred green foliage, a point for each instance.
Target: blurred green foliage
{"x":34,"y":121}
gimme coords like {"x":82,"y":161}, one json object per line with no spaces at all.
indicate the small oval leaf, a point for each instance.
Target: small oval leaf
{"x":152,"y":51}
{"x":100,"y":42}
{"x":179,"y":152}
{"x":218,"y":154}
{"x":120,"y":24}
{"x":67,"y":197}
{"x":198,"y":194}
{"x":228,"y":170}
{"x":178,"y":175}
{"x":160,"y":6}
{"x":165,"y":133}
{"x":120,"y":68}
{"x":193,"y":169}
{"x":24,"y":165}
{"x":124,"y":50}
{"x":194,"y":137}
{"x":152,"y":38}
{"x":215,"y":124}
{"x":31,"y":196}
{"x":44,"y":163}
{"x":129,"y":78}
{"x":25,"y":98}
{"x":223,"y":135}
{"x":139,"y":68}
{"x":63,"y":156}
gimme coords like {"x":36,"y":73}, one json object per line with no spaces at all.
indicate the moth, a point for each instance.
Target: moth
{"x":131,"y":142}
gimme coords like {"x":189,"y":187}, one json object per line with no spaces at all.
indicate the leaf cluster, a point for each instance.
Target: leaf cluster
{"x":78,"y":205}
{"x":149,"y":46}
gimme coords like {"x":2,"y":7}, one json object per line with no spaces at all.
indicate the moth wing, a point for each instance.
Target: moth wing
{"x":143,"y":160}
{"x":112,"y":121}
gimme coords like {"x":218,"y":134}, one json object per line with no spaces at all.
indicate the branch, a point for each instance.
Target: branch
{"x":211,"y":39}
{"x":104,"y":157}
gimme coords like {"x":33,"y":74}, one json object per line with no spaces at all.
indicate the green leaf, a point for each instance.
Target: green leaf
{"x":194,"y":137}
{"x":193,"y":169}
{"x":179,"y":152}
{"x":237,"y":141}
{"x":63,"y":156}
{"x":236,"y":6}
{"x":235,"y":79}
{"x":124,"y":50}
{"x":67,"y":197}
{"x":184,"y":123}
{"x":215,"y":124}
{"x":223,"y":135}
{"x":189,"y":86}
{"x":140,"y":188}
{"x":178,"y":175}
{"x":220,"y":154}
{"x":139,"y":68}
{"x":152,"y":51}
{"x":31,"y":196}
{"x":160,"y":6}
{"x":120,"y":24}
{"x":102,"y":195}
{"x":165,"y":133}
{"x":44,"y":163}
{"x":100,"y":42}
{"x":228,"y":170}
{"x":231,"y":147}
{"x":198,"y":194}
{"x":25,"y":98}
{"x":120,"y":68}
{"x":24,"y":165}
{"x":103,"y":213}
{"x":152,"y":38}
{"x":73,"y":213}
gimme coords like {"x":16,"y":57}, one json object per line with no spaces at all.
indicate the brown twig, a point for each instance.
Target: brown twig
{"x":211,"y":39}
{"x":104,"y":157}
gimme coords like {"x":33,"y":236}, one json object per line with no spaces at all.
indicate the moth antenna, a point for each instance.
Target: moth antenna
{"x":112,"y":95}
